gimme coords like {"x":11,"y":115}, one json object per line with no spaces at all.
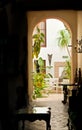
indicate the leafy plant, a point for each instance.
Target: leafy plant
{"x":38,"y":38}
{"x":64,"y":39}
{"x":41,"y":64}
{"x":38,"y":77}
{"x":39,"y":83}
{"x":67,"y":69}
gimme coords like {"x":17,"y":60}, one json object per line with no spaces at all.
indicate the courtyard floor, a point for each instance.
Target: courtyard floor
{"x":59,"y":113}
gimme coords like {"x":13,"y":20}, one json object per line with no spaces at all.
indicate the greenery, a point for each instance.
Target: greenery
{"x":64,"y":40}
{"x":39,"y":76}
{"x":39,"y":83}
{"x":41,"y":64}
{"x":38,"y":38}
{"x":67,"y":69}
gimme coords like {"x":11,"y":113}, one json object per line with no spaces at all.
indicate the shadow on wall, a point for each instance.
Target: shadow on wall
{"x":21,"y":99}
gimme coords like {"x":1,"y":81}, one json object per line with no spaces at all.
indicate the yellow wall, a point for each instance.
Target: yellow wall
{"x":79,"y":34}
{"x":69,"y":17}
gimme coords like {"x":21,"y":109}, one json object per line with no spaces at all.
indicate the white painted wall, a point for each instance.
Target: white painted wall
{"x":52,"y":29}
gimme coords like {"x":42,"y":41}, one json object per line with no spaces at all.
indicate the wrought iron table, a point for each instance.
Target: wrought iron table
{"x":32,"y":114}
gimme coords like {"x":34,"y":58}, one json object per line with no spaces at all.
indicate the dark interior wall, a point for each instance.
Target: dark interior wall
{"x":13,"y":31}
{"x":17,"y":31}
{"x":49,"y":4}
{"x":3,"y":70}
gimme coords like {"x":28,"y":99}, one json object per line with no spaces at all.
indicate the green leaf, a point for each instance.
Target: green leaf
{"x":38,"y":38}
{"x":40,"y":62}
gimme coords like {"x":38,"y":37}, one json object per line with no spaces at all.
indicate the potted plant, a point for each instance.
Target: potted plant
{"x":39,"y":82}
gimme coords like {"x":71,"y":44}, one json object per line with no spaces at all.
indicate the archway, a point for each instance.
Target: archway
{"x":53,"y":55}
{"x":33,"y":19}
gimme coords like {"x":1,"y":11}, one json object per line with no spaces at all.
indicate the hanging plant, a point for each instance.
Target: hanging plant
{"x":38,"y":38}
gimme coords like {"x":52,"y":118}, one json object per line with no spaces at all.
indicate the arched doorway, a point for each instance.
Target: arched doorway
{"x":35,"y":18}
{"x":55,"y":57}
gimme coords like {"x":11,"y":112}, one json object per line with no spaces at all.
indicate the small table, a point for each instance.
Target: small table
{"x":65,"y":90}
{"x":32,"y":114}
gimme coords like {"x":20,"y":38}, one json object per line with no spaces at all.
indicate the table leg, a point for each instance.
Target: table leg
{"x":16,"y":125}
{"x":65,"y":92}
{"x":48,"y":126}
{"x":23,"y":124}
{"x":48,"y":121}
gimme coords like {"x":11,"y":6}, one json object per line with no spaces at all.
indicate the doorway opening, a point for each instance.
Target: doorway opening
{"x":53,"y":56}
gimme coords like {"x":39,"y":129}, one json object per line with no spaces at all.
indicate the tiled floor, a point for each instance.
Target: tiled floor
{"x":59,"y":114}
